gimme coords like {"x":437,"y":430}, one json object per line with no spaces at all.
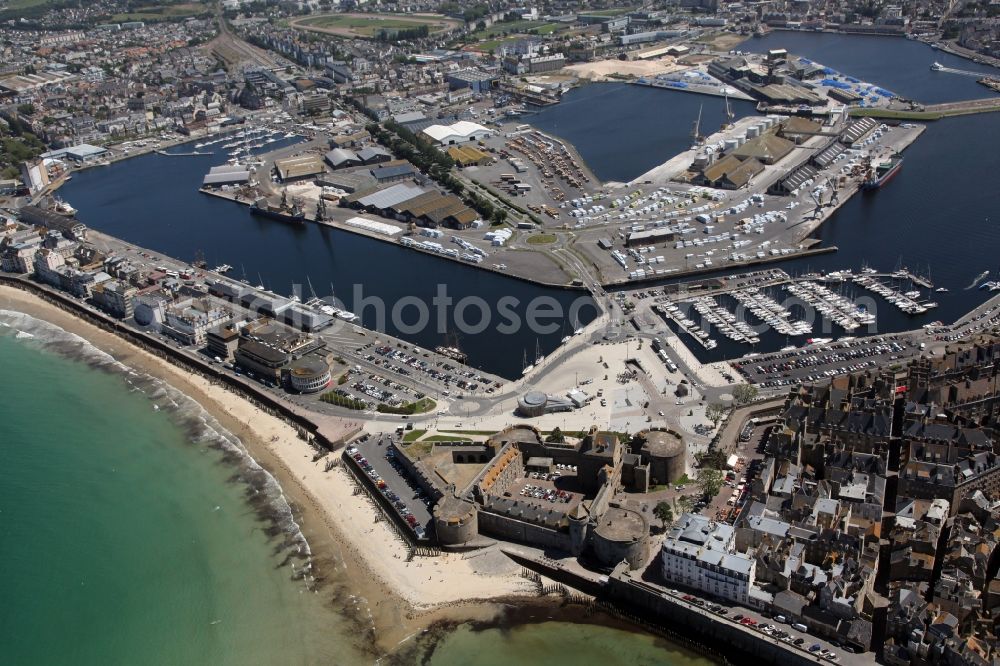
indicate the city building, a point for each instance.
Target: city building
{"x":699,"y":553}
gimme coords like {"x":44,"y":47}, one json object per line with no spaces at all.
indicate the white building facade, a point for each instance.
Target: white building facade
{"x":699,"y":553}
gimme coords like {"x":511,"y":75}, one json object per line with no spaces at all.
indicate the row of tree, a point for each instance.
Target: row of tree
{"x":420,"y":152}
{"x":404,"y":34}
{"x":341,"y":400}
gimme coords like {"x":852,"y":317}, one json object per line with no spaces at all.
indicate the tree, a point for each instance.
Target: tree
{"x":685,"y":503}
{"x":713,"y":459}
{"x":664,"y":512}
{"x":710,"y":482}
{"x":715,"y":412}
{"x":555,"y":436}
{"x":745,"y":393}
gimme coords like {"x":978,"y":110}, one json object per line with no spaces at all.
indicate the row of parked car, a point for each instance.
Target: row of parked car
{"x":847,"y":357}
{"x":441,"y":371}
{"x":397,"y":502}
{"x":771,"y":630}
{"x":547,"y":494}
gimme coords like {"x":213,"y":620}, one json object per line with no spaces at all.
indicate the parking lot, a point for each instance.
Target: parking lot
{"x":402,"y":362}
{"x":985,"y":317}
{"x":376,"y":454}
{"x":825,"y":360}
{"x":557,"y":490}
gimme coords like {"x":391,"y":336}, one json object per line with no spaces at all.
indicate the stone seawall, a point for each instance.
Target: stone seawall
{"x":702,"y":625}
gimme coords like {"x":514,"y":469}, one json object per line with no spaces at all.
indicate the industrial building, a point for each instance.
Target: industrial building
{"x":475,"y":79}
{"x":409,"y":203}
{"x":465,"y":156}
{"x":646,"y":237}
{"x":461,"y":132}
{"x":83,"y":153}
{"x":546,"y":63}
{"x":731,"y":173}
{"x":766,"y":149}
{"x":342,"y":158}
{"x":296,"y":168}
{"x":394,"y":173}
{"x":793,"y":181}
{"x":227,"y":174}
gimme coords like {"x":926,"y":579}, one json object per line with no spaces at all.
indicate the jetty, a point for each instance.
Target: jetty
{"x":191,"y":153}
{"x":932,"y":111}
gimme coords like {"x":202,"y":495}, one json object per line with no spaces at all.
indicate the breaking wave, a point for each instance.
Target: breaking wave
{"x":201,"y":428}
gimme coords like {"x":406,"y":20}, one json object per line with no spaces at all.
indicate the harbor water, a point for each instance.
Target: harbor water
{"x":622,"y":130}
{"x":153,"y":201}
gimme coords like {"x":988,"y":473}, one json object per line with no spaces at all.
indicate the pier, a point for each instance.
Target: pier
{"x":932,"y":111}
{"x":901,"y":274}
{"x":192,"y":153}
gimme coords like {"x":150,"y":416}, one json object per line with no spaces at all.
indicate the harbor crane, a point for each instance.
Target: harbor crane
{"x":728,"y":123}
{"x":696,"y":137}
{"x":817,"y":197}
{"x":835,"y":193}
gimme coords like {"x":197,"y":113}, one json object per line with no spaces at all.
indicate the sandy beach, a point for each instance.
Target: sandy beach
{"x":347,"y":541}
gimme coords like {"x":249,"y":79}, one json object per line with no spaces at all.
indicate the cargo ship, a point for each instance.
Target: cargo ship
{"x":882,"y":173}
{"x":282,"y":212}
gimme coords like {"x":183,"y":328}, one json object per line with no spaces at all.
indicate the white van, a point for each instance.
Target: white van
{"x":800,"y":627}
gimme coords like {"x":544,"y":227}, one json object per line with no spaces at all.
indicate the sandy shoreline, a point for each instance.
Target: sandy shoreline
{"x":349,"y":546}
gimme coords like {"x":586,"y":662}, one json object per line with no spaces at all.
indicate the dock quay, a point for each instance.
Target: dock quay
{"x":755,"y":261}
{"x":763,"y":278}
{"x":902,"y":274}
{"x":191,"y":153}
{"x":529,"y":275}
{"x":907,"y":302}
{"x":932,"y":111}
{"x":701,"y":83}
{"x":527,"y":96}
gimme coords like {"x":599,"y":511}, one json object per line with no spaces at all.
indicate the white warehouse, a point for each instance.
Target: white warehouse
{"x":461,"y":132}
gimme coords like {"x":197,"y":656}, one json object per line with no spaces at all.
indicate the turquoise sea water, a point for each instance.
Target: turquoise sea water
{"x":123,"y":538}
